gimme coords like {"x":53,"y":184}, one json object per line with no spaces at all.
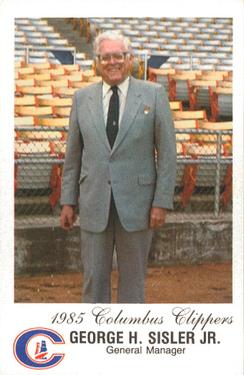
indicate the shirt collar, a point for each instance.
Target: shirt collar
{"x":123,"y":87}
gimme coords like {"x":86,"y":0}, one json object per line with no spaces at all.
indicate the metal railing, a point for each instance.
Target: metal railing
{"x":218,"y":159}
{"x":38,"y":166}
{"x":190,"y":57}
{"x":30,"y":48}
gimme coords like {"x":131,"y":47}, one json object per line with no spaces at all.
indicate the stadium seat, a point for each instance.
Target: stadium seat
{"x":64,"y":92}
{"x":43,"y":175}
{"x":52,"y":122}
{"x":57,"y":42}
{"x":57,"y":71}
{"x":25,"y":100}
{"x":37,"y":41}
{"x":34,"y":90}
{"x":161,"y":76}
{"x":178,"y":85}
{"x":44,"y":28}
{"x":79,"y":84}
{"x":24,"y":121}
{"x":39,"y":77}
{"x":54,"y":102}
{"x":221,"y":102}
{"x":185,"y":124}
{"x":190,"y":115}
{"x":176,"y":105}
{"x":61,"y":111}
{"x":198,"y":92}
{"x":219,"y":125}
{"x":54,"y":83}
{"x":27,"y":82}
{"x":38,"y":22}
{"x":203,"y":176}
{"x":25,"y":70}
{"x":33,"y":111}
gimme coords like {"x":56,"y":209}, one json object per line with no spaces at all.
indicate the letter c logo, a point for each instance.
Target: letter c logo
{"x":35,"y":348}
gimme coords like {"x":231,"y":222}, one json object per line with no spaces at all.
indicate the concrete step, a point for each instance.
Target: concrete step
{"x":74,"y":36}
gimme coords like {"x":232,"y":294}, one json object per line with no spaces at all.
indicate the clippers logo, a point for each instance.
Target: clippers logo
{"x":36,"y":348}
{"x":41,"y":351}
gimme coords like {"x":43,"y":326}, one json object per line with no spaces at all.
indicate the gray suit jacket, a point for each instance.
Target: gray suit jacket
{"x":138,"y":182}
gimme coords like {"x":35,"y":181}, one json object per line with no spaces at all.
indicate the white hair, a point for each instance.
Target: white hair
{"x":111,"y":35}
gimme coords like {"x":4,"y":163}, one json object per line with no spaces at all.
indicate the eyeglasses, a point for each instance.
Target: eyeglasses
{"x":118,"y":57}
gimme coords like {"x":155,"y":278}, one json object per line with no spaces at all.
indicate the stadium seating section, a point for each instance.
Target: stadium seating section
{"x":196,"y":74}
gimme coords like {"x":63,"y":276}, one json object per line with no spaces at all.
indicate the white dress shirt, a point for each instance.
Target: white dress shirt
{"x":107,"y":93}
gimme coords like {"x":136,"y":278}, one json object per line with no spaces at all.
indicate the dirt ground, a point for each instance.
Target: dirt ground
{"x":205,"y":283}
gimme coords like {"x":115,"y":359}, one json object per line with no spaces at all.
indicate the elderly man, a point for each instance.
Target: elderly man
{"x":121,"y":164}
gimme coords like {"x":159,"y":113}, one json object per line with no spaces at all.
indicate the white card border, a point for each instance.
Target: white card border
{"x":18,"y":8}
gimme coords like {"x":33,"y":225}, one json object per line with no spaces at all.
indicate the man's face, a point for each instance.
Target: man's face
{"x":111,"y":66}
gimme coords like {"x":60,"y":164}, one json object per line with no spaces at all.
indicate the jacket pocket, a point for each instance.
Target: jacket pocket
{"x":82,"y":177}
{"x":145,"y":179}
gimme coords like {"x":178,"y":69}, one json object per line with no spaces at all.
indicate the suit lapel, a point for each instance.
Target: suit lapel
{"x":131,"y":108}
{"x":95,"y":105}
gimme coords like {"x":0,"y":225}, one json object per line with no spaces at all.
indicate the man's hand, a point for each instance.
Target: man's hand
{"x":157,"y":217}
{"x":67,"y":217}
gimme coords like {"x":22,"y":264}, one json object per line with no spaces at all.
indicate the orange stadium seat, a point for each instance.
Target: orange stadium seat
{"x":221,"y":102}
{"x":33,"y":110}
{"x":57,"y":102}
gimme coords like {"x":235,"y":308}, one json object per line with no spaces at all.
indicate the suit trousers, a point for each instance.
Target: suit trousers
{"x":132,"y":249}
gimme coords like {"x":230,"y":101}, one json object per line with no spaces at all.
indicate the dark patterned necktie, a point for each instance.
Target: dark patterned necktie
{"x":113,"y":116}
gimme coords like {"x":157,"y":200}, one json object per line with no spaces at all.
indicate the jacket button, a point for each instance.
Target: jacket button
{"x":109,"y":182}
